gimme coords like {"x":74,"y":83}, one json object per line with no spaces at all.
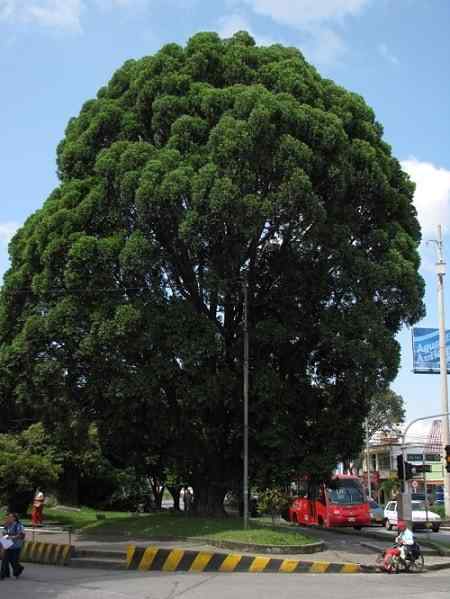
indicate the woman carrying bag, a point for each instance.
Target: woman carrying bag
{"x":13,"y":532}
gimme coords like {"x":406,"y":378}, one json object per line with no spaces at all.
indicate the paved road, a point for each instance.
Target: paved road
{"x":47,"y":582}
{"x":442,"y":535}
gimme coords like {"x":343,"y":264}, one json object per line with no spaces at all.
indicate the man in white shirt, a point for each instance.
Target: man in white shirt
{"x":405,"y":539}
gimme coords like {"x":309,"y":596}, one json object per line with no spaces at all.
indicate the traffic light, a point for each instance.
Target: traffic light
{"x":410,"y":471}
{"x":405,"y":470}
{"x":447,"y":458}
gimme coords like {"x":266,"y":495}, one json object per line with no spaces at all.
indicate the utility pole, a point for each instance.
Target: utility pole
{"x":424,"y":468}
{"x":246,"y":367}
{"x":440,"y":272}
{"x":369,"y":482}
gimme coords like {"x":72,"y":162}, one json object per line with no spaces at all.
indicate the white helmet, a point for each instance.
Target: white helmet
{"x":40,"y":495}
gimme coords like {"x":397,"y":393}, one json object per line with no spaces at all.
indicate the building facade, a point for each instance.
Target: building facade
{"x":384,"y":450}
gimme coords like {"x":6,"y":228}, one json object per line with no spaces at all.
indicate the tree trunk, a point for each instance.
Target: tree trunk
{"x":68,"y":487}
{"x":158,"y":492}
{"x":175,"y":491}
{"x":208,"y":500}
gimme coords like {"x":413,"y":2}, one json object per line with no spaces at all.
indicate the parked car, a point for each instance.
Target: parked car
{"x":418,"y":516}
{"x":376,"y":512}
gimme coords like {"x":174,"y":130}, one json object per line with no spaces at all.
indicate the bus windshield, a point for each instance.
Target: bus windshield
{"x":345,"y":492}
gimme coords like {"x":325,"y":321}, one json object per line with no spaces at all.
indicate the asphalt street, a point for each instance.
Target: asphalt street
{"x":47,"y":582}
{"x":442,"y":535}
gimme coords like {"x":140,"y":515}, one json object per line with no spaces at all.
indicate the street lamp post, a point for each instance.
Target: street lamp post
{"x":369,"y":481}
{"x":246,"y":368}
{"x":440,"y":272}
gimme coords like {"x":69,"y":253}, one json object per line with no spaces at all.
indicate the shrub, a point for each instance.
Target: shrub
{"x":274,"y":502}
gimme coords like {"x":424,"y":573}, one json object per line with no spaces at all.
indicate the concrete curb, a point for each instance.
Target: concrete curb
{"x":272,"y":549}
{"x":153,"y":559}
{"x":309,"y":548}
{"x":46,"y":553}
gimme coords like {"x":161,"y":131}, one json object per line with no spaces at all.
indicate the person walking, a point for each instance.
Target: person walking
{"x":13,"y":531}
{"x":37,"y":509}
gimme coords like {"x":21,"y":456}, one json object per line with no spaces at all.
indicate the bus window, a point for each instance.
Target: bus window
{"x":345,"y":492}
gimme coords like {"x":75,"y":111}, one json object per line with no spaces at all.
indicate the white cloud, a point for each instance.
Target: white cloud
{"x":6,"y":9}
{"x":316,"y":20}
{"x":56,"y":14}
{"x":432,"y":197}
{"x":7,"y":231}
{"x":231,"y":24}
{"x":324,"y":46}
{"x":387,"y":54}
{"x":105,"y":4}
{"x":303,"y":13}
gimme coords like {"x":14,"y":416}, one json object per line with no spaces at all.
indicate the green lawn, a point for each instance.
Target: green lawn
{"x":77,"y":519}
{"x":171,"y":525}
{"x":227,"y":529}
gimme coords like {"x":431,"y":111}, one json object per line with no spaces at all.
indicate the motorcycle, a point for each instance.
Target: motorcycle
{"x":391,"y":560}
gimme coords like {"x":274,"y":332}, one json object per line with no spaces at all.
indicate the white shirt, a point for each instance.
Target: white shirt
{"x":406,"y":537}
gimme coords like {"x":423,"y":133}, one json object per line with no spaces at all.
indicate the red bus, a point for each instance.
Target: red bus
{"x":340,"y":502}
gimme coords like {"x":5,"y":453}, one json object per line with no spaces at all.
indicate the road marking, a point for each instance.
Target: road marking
{"x":201,"y":561}
{"x":259,"y":564}
{"x":173,"y":559}
{"x":288,"y":566}
{"x":319,"y":567}
{"x":147,"y":558}
{"x":230,"y":563}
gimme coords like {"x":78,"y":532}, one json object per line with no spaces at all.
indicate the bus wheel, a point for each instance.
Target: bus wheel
{"x":357,"y":527}
{"x":320,"y":522}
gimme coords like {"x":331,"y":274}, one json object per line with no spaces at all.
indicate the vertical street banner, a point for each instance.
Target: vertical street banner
{"x":425,"y":344}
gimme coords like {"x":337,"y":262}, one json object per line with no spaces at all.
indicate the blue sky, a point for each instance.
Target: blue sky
{"x":55,"y":54}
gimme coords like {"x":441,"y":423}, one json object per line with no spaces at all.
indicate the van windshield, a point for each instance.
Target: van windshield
{"x":345,"y":492}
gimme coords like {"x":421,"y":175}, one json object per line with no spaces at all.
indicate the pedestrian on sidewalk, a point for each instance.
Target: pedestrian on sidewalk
{"x":37,"y":509}
{"x":13,"y":531}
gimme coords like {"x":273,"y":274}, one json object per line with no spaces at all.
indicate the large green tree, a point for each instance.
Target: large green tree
{"x":191,"y":171}
{"x":27,"y":462}
{"x":386,"y":412}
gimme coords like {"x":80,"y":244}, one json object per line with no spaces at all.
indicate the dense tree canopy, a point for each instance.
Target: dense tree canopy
{"x":192,"y":170}
{"x":386,"y":412}
{"x":27,"y":463}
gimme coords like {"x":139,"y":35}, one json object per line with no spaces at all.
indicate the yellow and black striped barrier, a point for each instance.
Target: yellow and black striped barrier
{"x":153,"y":559}
{"x":46,"y":553}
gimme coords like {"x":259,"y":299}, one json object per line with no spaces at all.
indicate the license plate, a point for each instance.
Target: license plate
{"x":352,"y":519}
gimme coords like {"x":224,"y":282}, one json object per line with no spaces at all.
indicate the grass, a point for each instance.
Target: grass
{"x":83,"y":518}
{"x":172,"y":525}
{"x":77,"y":519}
{"x":226,"y":529}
